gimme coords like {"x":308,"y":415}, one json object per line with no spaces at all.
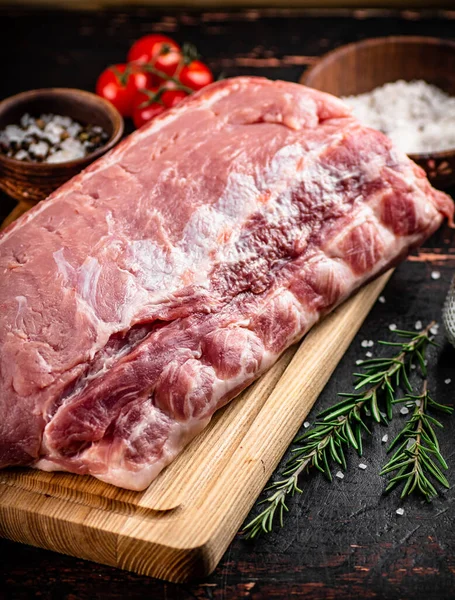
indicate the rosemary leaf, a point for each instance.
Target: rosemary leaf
{"x":342,"y":426}
{"x":415,"y":460}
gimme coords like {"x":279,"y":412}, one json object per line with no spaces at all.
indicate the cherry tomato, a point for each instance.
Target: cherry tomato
{"x":196,"y":75}
{"x":159,"y":50}
{"x":167,"y":62}
{"x":121,"y":89}
{"x":171,"y":98}
{"x":144,"y":110}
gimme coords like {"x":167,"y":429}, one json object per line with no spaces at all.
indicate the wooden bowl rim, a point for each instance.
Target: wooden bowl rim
{"x":377,"y":41}
{"x":113,"y":115}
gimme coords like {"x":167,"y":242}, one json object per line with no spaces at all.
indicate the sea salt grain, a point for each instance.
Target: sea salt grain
{"x":50,"y":138}
{"x":382,"y":299}
{"x":385,"y":438}
{"x":362,"y":466}
{"x":364,"y":344}
{"x":404,"y":410}
{"x":400,"y":511}
{"x":358,"y":362}
{"x":447,"y":381}
{"x":422,"y":119}
{"x":418,"y":325}
{"x":392,"y":327}
{"x":435,"y":275}
{"x":339,"y":474}
{"x":306,"y":424}
{"x":369,"y":354}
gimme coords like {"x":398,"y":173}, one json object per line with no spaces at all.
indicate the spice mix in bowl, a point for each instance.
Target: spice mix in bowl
{"x":47,"y":136}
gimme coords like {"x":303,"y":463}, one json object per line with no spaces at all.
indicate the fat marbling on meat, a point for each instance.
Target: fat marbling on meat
{"x":152,"y":288}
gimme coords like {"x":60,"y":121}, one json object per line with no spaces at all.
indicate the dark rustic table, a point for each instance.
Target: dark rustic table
{"x":340,"y":540}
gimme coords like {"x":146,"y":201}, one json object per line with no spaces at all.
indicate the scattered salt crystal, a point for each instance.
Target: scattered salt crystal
{"x":306,"y":424}
{"x":14,"y":133}
{"x":413,"y":366}
{"x":370,"y":343}
{"x":368,"y":354}
{"x":385,"y":438}
{"x":21,"y":155}
{"x":25,"y":120}
{"x":382,"y":299}
{"x":58,"y":157}
{"x":422,"y":119}
{"x":362,"y":466}
{"x":62,"y":121}
{"x":447,"y":381}
{"x":404,"y":410}
{"x":392,"y":327}
{"x":418,"y":403}
{"x":364,"y":344}
{"x":34,"y":130}
{"x":425,"y":362}
{"x":358,"y":362}
{"x":435,"y":275}
{"x":434,"y":330}
{"x":74,"y":129}
{"x":418,"y":325}
{"x":39,"y":149}
{"x":53,"y":133}
{"x":410,"y":443}
{"x":339,"y":474}
{"x":400,"y":511}
{"x":71,"y":149}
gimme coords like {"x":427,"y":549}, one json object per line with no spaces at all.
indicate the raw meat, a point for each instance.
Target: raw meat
{"x":151,"y":289}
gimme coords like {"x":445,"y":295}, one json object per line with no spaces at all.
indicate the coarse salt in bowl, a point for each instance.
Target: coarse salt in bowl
{"x":33,"y":181}
{"x":363,"y":66}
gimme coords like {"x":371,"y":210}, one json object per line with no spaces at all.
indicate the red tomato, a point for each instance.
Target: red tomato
{"x":171,"y":98}
{"x":196,"y":75}
{"x":167,"y":62}
{"x":112,"y":87}
{"x":144,"y":109}
{"x":159,"y":50}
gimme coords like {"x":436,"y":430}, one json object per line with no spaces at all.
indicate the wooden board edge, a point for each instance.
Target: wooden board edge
{"x":226,"y":523}
{"x":53,"y":524}
{"x":56,"y":524}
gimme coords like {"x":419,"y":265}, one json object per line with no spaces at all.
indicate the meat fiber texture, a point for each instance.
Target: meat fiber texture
{"x":152,"y":288}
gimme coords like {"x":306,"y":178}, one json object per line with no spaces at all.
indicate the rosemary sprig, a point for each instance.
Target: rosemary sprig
{"x":341,"y":426}
{"x":418,"y":458}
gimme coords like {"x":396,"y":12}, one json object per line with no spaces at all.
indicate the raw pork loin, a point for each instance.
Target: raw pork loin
{"x":152,"y":288}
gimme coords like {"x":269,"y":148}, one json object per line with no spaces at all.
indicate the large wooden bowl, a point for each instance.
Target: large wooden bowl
{"x":362,"y":66}
{"x":30,"y":182}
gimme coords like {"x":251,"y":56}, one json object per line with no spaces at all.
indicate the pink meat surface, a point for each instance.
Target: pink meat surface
{"x":151,"y":289}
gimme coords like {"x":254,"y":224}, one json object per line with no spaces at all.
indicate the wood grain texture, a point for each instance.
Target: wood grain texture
{"x":179,"y":527}
{"x":340,"y":540}
{"x":209,"y":4}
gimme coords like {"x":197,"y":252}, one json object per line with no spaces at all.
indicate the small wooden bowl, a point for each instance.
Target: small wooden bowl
{"x":362,"y":66}
{"x":31,"y":182}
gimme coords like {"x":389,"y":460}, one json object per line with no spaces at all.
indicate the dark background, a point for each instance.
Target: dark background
{"x":340,"y":540}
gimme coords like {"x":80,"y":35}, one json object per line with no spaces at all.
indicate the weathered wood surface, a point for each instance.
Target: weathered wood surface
{"x":340,"y":539}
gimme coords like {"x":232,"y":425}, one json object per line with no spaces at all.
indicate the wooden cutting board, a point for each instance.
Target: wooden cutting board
{"x":179,"y":528}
